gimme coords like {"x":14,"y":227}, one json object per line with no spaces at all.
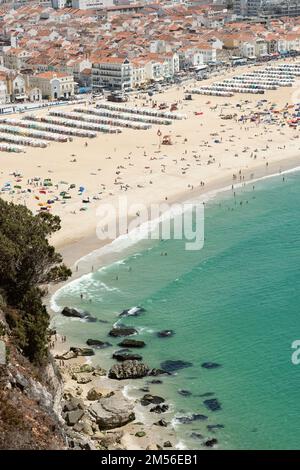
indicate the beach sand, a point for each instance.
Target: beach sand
{"x":205,"y":148}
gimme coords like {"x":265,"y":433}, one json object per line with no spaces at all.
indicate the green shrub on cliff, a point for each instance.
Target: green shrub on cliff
{"x":27,"y":260}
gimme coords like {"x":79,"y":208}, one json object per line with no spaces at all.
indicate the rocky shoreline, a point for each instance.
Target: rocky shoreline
{"x":93,"y":408}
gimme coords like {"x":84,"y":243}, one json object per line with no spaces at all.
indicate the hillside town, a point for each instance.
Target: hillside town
{"x":55,"y":50}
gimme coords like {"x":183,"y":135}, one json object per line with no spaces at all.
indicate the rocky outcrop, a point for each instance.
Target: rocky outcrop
{"x":75,"y":352}
{"x":151,"y":399}
{"x":82,"y":351}
{"x":132,"y":343}
{"x":129,"y":370}
{"x":132,"y":312}
{"x":73,"y":313}
{"x":165,"y":333}
{"x":113,"y":412}
{"x":126,"y":355}
{"x":96,"y":393}
{"x":122,"y":331}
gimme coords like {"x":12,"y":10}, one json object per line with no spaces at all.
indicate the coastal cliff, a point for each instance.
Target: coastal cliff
{"x":28,"y":398}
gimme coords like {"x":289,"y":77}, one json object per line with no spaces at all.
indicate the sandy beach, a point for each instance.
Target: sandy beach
{"x":206,"y":152}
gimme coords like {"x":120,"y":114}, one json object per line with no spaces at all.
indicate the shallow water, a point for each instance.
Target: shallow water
{"x":235,"y":303}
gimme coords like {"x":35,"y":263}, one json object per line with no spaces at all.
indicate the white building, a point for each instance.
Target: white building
{"x":53,"y":85}
{"x":91,"y":4}
{"x":112,"y":73}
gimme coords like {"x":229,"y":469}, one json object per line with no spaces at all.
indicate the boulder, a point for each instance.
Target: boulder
{"x":159,"y":409}
{"x":132,"y":312}
{"x":82,"y":351}
{"x":126,"y":355}
{"x":165,"y":333}
{"x":140,"y":434}
{"x":96,"y":343}
{"x":84,"y":368}
{"x":131,"y":343}
{"x":96,"y":393}
{"x":162,"y":423}
{"x":73,"y":404}
{"x":212,"y":404}
{"x":173,"y":366}
{"x":210,"y":443}
{"x":155,"y":381}
{"x":66,"y":355}
{"x":113,"y":412}
{"x":72,"y":417}
{"x":99,"y":371}
{"x":167,"y":444}
{"x":122,"y":331}
{"x":151,"y":399}
{"x":72,"y":312}
{"x":82,"y":379}
{"x":128,"y":370}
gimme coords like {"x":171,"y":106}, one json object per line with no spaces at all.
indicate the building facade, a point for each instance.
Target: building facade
{"x":112,"y":73}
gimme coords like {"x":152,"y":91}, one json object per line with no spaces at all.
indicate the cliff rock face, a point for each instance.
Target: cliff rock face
{"x":28,"y":397}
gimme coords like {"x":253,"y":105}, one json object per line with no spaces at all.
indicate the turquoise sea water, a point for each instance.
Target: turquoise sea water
{"x":236,"y":302}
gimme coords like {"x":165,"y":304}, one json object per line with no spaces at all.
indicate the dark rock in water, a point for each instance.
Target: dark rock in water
{"x":167,"y":444}
{"x":212,"y":404}
{"x":132,"y":343}
{"x":122,"y":331}
{"x":196,"y":435}
{"x":151,"y":399}
{"x":161,"y":423}
{"x":155,"y":382}
{"x":173,"y":366}
{"x":210,"y":365}
{"x":210,"y":443}
{"x":128,"y":370}
{"x":72,"y":312}
{"x":184,"y":393}
{"x":165,"y":333}
{"x":96,"y":343}
{"x":159,"y":409}
{"x":126,"y":355}
{"x":103,"y":321}
{"x":213,"y":427}
{"x":132,"y":312}
{"x":145,"y":389}
{"x":82,"y":351}
{"x":207,"y":394}
{"x":190,"y":419}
